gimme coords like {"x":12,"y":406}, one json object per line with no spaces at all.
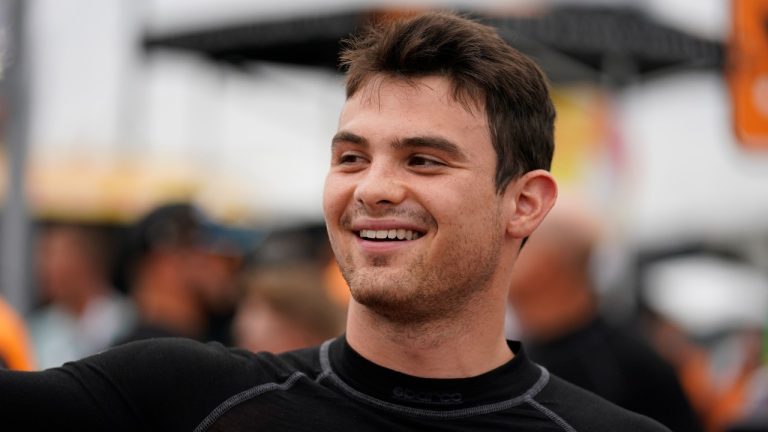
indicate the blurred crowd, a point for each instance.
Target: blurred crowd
{"x":176,"y":273}
{"x":173,"y":273}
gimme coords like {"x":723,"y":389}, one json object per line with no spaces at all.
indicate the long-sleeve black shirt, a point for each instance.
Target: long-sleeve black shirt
{"x":182,"y":385}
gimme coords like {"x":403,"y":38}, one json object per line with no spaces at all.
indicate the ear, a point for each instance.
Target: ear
{"x":529,"y":199}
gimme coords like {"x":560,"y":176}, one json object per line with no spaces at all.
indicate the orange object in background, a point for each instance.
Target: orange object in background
{"x":15,"y":351}
{"x":748,"y":72}
{"x":337,"y":287}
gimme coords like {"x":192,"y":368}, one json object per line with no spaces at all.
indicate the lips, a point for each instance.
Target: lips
{"x":389,"y":234}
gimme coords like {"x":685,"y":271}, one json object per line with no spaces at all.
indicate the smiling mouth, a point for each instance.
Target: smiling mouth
{"x":390,"y":234}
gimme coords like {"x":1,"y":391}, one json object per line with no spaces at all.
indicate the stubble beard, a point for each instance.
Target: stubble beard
{"x":421,"y":294}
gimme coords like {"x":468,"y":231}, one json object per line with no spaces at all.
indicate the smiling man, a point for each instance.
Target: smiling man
{"x":438,"y":174}
{"x":411,"y":158}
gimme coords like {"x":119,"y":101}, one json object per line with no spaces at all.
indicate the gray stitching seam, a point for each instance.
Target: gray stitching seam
{"x":551,"y":415}
{"x":451,"y":414}
{"x":243,"y":396}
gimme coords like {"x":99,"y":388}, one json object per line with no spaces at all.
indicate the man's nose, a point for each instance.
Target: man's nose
{"x":381,"y":186}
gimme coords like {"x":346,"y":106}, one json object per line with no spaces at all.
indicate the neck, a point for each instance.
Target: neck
{"x":463,"y":345}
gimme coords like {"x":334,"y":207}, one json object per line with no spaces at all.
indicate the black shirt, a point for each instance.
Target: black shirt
{"x":621,"y":367}
{"x":182,"y":385}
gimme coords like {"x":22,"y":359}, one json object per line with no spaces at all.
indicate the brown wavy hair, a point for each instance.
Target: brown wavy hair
{"x":483,"y":70}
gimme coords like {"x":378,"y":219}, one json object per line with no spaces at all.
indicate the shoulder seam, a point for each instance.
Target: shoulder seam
{"x":244,"y":396}
{"x":551,"y":415}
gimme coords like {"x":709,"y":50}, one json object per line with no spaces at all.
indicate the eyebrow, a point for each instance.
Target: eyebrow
{"x":429,"y":141}
{"x":433,"y":142}
{"x":348,"y":137}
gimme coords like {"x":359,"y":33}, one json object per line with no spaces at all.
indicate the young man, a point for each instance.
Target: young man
{"x":438,"y":173}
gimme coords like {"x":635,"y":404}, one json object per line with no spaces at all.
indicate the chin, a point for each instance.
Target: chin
{"x":398,"y":299}
{"x":377,"y":282}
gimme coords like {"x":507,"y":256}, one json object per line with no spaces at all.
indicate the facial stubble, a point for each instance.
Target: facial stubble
{"x":422,"y":292}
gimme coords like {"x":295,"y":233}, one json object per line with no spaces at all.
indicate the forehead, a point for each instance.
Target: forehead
{"x":443,"y":85}
{"x":427,"y":101}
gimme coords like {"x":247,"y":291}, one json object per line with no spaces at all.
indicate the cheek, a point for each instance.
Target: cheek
{"x":333,"y":199}
{"x":464,"y":205}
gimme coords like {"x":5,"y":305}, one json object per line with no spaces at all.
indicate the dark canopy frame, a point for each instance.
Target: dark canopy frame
{"x":573,"y":43}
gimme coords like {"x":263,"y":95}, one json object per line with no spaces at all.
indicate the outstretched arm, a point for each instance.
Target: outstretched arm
{"x":162,"y":384}
{"x":76,"y":395}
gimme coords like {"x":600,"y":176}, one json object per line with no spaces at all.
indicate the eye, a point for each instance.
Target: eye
{"x":350,"y":158}
{"x":424,"y":161}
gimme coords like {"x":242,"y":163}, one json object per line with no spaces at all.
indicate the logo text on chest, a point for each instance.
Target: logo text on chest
{"x":427,"y":397}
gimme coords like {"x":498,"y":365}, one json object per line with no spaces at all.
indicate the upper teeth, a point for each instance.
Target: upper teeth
{"x":400,"y":234}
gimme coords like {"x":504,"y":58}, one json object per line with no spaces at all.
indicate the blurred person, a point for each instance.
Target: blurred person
{"x":754,"y":413}
{"x":82,"y":312}
{"x":555,"y":303}
{"x":438,"y":172}
{"x":725,"y":377}
{"x":720,"y":364}
{"x":15,"y":349}
{"x":690,"y":360}
{"x":286,"y":307}
{"x":180,"y":278}
{"x":289,"y":293}
{"x":742,"y":393}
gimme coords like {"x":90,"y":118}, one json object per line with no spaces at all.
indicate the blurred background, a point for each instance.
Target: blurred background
{"x":188,"y":141}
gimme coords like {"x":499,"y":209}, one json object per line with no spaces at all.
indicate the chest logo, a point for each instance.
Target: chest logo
{"x":427,"y":397}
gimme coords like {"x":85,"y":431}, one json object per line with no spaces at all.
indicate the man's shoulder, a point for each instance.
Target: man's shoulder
{"x":182,"y":354}
{"x":191,"y":379}
{"x":584,"y":410}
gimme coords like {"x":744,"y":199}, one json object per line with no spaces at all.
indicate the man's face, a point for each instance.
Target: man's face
{"x":410,"y":201}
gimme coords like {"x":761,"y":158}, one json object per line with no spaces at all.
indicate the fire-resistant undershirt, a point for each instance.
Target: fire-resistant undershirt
{"x":182,"y":385}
